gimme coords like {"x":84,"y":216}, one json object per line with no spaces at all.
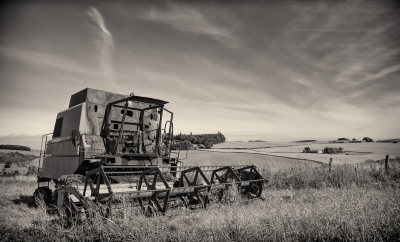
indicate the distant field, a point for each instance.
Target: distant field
{"x":263,"y":162}
{"x":257,"y":145}
{"x":376,"y":148}
{"x":27,"y":158}
{"x":280,"y":155}
{"x":355,"y":152}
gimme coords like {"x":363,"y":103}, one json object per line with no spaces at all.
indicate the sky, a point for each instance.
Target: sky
{"x":280,"y":70}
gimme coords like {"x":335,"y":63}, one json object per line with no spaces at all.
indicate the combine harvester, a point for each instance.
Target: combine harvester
{"x":106,"y":147}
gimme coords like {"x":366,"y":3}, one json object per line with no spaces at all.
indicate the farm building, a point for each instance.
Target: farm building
{"x":316,"y":151}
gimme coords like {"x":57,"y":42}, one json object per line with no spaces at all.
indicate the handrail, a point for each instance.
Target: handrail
{"x":41,"y":146}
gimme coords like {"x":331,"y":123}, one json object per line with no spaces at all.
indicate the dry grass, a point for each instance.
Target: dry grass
{"x":16,"y":201}
{"x":300,"y":204}
{"x":353,"y":214}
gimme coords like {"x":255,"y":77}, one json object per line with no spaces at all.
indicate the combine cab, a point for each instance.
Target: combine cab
{"x":107,"y":147}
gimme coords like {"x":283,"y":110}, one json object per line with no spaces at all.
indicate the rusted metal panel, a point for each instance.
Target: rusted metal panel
{"x":55,"y":167}
{"x":94,"y":116}
{"x":62,"y":147}
{"x":90,"y":95}
{"x":93,"y":145}
{"x":71,"y":120}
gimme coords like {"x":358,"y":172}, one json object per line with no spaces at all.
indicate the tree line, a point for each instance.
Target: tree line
{"x":15,"y":147}
{"x":207,"y":140}
{"x":366,"y":139}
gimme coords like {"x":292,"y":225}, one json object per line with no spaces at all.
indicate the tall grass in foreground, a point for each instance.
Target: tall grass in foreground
{"x":349,"y":203}
{"x":374,"y":176}
{"x":355,"y":214}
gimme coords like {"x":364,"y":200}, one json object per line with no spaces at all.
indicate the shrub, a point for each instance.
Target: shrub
{"x":8,"y":164}
{"x":7,"y":174}
{"x":333,"y":150}
{"x":202,"y":138}
{"x":367,"y":139}
{"x":208,"y":144}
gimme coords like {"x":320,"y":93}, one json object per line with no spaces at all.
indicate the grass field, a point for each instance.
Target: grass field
{"x":349,"y":207}
{"x":303,"y":201}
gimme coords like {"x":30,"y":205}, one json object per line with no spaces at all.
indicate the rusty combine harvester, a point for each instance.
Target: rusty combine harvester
{"x":106,"y":147}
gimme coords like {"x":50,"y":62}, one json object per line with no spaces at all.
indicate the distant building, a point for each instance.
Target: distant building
{"x":316,"y":151}
{"x":308,"y":150}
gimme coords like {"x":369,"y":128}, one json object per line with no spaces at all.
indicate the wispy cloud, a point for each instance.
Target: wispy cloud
{"x":293,"y":68}
{"x":104,"y":42}
{"x":348,"y":45}
{"x":189,"y":19}
{"x":383,"y":72}
{"x":331,"y":30}
{"x":42,"y":59}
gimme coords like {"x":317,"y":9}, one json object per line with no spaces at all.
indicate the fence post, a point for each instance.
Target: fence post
{"x":355,"y":168}
{"x":387,"y":164}
{"x":330,"y":164}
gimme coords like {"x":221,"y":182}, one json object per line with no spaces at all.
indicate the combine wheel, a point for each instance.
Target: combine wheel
{"x":43,"y":193}
{"x":254,"y":190}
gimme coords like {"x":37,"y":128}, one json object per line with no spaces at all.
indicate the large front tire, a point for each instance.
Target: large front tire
{"x":42,"y":193}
